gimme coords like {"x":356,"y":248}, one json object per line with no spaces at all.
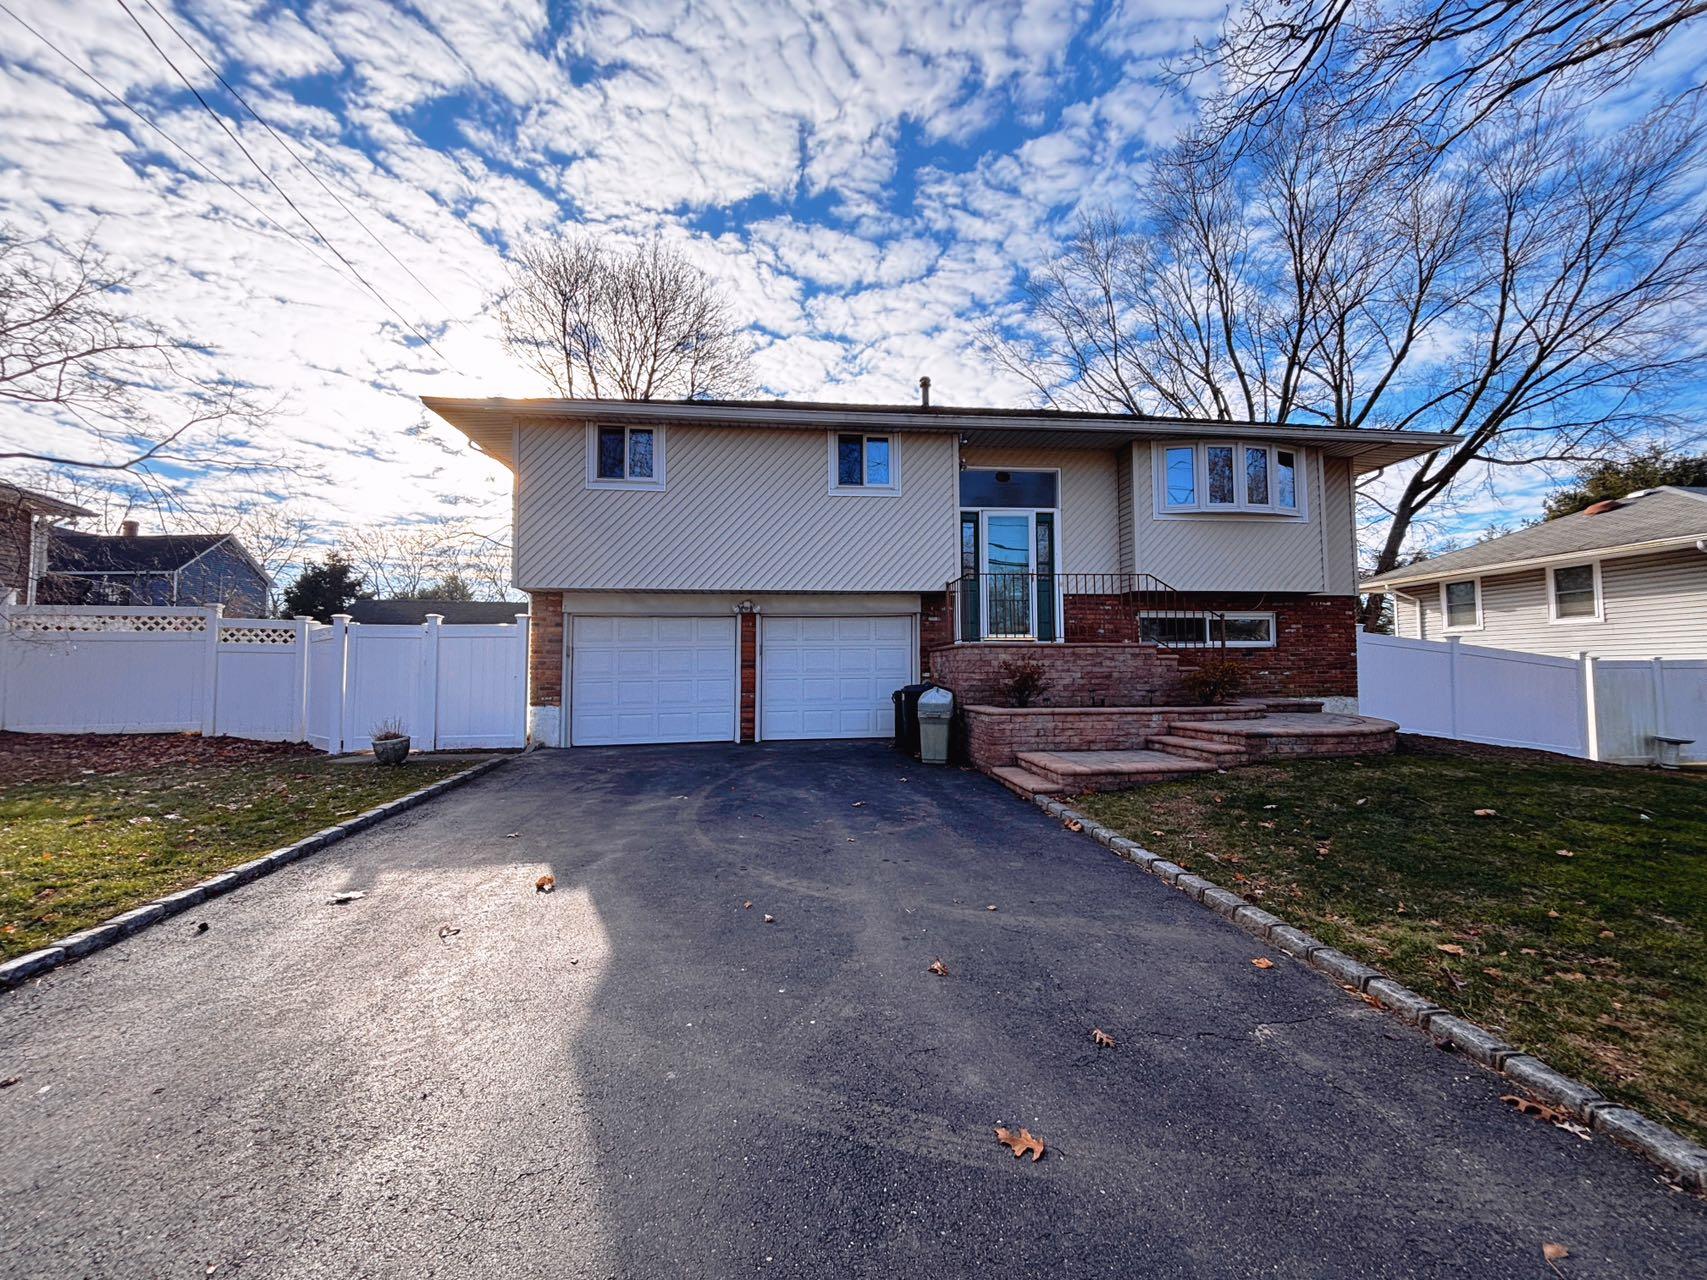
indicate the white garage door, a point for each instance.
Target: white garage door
{"x":832,"y":677}
{"x":652,"y":680}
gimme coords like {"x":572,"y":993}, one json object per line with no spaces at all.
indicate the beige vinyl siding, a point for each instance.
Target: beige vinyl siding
{"x":745,"y":510}
{"x":1123,"y":506}
{"x":1407,"y":624}
{"x":1214,"y":552}
{"x":1090,"y":504}
{"x":1654,"y":606}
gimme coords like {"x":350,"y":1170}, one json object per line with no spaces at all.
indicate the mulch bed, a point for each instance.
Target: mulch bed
{"x":50,"y":757}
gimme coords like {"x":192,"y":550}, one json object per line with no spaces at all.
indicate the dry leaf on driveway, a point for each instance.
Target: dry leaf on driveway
{"x":1540,"y":1110}
{"x":1551,"y":1253}
{"x":348,"y":895}
{"x":991,"y":907}
{"x":938,"y":968}
{"x":1073,"y":824}
{"x":1020,"y":1142}
{"x":545,"y":884}
{"x":1263,"y":962}
{"x":1101,"y":1039}
{"x":747,"y":906}
{"x":770,"y":919}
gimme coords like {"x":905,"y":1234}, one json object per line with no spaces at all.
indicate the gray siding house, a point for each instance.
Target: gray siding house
{"x":740,"y":570}
{"x":164,"y":569}
{"x":1623,"y":579}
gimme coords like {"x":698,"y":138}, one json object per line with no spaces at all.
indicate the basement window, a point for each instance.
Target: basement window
{"x":1239,"y":630}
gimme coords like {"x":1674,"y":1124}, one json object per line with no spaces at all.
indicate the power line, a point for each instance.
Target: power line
{"x":185,"y":151}
{"x":292,"y":152}
{"x":260,"y":169}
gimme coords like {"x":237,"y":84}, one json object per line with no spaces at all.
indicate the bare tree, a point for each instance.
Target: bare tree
{"x":403,"y":561}
{"x":600,"y":323}
{"x":69,"y":350}
{"x":1532,"y":300}
{"x":1449,"y":65}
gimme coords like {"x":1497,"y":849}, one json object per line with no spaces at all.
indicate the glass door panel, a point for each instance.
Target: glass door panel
{"x":1008,"y":575}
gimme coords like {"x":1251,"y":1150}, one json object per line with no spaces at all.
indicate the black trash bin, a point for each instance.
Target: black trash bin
{"x":906,"y":700}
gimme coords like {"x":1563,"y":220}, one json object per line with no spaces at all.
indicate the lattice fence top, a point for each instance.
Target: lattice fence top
{"x":257,"y":633}
{"x":86,"y":622}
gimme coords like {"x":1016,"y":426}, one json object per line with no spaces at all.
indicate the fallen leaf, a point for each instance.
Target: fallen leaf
{"x":448,"y":931}
{"x":1529,"y":1107}
{"x":545,"y":884}
{"x":859,"y":804}
{"x":1263,"y":962}
{"x":991,"y":907}
{"x":1073,"y":824}
{"x":1564,"y":853}
{"x":9,"y":1081}
{"x":1021,"y":1142}
{"x":1493,"y":973}
{"x":1451,"y":948}
{"x":770,"y":919}
{"x":201,"y":926}
{"x":348,"y":895}
{"x":938,"y":968}
{"x":1101,"y":1038}
{"x":1528,"y":951}
{"x":513,"y":835}
{"x":1487,"y":813}
{"x":1552,"y":1253}
{"x":1363,"y":801}
{"x":1607,"y":933}
{"x":747,"y":906}
{"x":1552,"y":915}
{"x":1572,"y":977}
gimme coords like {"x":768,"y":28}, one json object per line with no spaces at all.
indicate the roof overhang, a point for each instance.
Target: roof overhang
{"x":39,"y":503}
{"x":491,"y":425}
{"x":1422,"y":575}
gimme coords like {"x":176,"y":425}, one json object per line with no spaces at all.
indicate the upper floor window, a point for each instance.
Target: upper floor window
{"x":1217,"y":476}
{"x":625,"y":457}
{"x":1462,"y":604}
{"x":864,"y":464}
{"x":1573,"y":593}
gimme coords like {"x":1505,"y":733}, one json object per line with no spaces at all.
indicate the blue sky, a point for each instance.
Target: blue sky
{"x":867,"y":181}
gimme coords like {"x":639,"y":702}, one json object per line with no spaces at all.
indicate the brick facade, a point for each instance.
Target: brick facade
{"x":1080,"y":675}
{"x":936,"y":626}
{"x":749,"y":677}
{"x":545,"y":649}
{"x":994,"y":736}
{"x":16,"y":523}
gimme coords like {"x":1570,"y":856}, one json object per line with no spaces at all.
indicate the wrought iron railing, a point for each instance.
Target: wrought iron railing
{"x":1032,"y":606}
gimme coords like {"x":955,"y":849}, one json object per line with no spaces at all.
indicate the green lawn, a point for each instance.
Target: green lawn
{"x":1596,"y":961}
{"x":78,"y":847}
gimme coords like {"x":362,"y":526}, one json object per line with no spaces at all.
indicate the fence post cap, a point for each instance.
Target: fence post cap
{"x":435,"y":619}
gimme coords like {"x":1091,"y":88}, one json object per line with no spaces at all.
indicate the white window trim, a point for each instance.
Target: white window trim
{"x":1599,"y":614}
{"x":1239,"y":506}
{"x":1231,"y":614}
{"x":1446,"y":627}
{"x":890,"y":490}
{"x":596,"y":481}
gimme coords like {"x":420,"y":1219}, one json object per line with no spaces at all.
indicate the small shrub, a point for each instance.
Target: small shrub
{"x":1023,"y":679}
{"x":386,"y":730}
{"x":1213,"y":681}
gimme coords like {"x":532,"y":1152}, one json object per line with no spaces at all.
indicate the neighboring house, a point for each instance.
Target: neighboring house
{"x":166,"y":569}
{"x":453,"y":612}
{"x":715,"y":570}
{"x":27,"y":521}
{"x":1622,"y":579}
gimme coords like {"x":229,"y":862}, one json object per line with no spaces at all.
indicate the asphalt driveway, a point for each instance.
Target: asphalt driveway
{"x":637,"y":1076}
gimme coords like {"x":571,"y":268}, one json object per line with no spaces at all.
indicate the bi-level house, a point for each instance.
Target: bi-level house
{"x":737,"y":571}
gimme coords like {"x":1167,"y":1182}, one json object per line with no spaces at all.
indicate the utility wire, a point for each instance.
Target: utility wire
{"x":292,"y":152}
{"x":191,"y":156}
{"x":259,"y":168}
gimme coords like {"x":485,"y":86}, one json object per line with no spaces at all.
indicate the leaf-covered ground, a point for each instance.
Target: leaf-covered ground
{"x":1573,"y":918}
{"x":92,"y":826}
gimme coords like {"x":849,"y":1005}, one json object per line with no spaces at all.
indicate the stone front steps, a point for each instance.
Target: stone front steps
{"x":1109,"y":770}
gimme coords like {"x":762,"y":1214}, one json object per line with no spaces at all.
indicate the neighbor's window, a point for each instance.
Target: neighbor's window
{"x":1181,"y":476}
{"x":1575,"y":592}
{"x":627,"y":457}
{"x":863,"y":462}
{"x":1463,"y":604}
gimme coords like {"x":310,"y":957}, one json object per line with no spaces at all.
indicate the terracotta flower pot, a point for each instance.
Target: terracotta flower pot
{"x":390,"y":750}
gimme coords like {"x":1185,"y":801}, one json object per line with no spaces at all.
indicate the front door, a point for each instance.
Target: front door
{"x":1009,"y":574}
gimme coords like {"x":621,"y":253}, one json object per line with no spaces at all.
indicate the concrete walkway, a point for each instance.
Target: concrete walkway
{"x":635,"y":1076}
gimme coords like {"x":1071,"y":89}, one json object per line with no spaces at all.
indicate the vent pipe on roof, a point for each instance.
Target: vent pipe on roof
{"x":129,"y":529}
{"x":924,"y":393}
{"x":1600,"y":508}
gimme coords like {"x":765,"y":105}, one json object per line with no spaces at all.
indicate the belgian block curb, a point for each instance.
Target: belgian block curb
{"x":1677,"y":1155}
{"x":76,"y":945}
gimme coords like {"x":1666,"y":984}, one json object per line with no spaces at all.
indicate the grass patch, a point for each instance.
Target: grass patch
{"x":1596,"y":962}
{"x":76,"y":850}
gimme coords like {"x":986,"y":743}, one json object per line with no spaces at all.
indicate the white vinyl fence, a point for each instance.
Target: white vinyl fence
{"x":113,"y":670}
{"x":1595,"y":708}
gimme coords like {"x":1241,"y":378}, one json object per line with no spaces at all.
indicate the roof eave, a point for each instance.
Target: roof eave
{"x":1615,"y":552}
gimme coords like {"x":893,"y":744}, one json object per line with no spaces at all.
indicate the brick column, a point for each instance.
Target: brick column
{"x":545,"y":668}
{"x":749,"y":677}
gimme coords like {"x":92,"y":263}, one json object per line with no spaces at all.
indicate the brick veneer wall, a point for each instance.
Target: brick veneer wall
{"x":996,"y":735}
{"x":936,"y":626}
{"x":545,"y":649}
{"x":15,"y":526}
{"x":1080,"y":675}
{"x":1315,"y":652}
{"x":749,"y":677}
